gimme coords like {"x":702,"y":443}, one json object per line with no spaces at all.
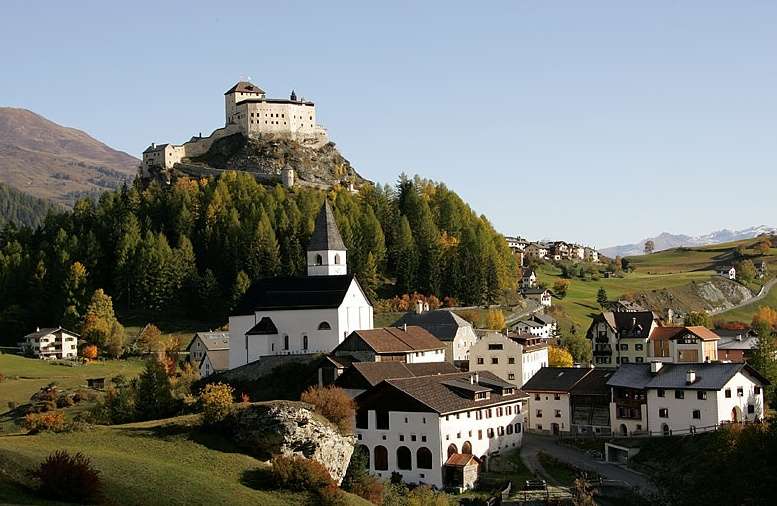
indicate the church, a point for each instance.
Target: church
{"x":302,"y":315}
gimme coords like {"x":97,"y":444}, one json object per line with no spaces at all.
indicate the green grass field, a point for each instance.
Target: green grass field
{"x":161,"y":462}
{"x":25,"y":376}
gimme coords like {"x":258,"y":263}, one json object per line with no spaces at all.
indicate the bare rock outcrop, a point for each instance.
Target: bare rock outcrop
{"x":271,"y":428}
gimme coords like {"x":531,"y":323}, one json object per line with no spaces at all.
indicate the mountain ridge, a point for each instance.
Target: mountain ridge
{"x":55,"y":162}
{"x":665,"y":240}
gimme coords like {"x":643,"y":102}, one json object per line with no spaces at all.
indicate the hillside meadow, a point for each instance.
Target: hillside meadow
{"x":159,"y":462}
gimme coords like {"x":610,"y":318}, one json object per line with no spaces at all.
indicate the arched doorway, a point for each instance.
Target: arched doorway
{"x":736,"y":414}
{"x":404,"y":458}
{"x":484,"y":463}
{"x":452,"y":450}
{"x":665,"y":429}
{"x":466,"y":448}
{"x":381,"y":458}
{"x":366,"y":452}
{"x":423,"y":458}
{"x":624,"y":430}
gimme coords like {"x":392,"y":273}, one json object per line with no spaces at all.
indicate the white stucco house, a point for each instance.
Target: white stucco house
{"x":302,"y":315}
{"x":666,"y":398}
{"x":50,"y":343}
{"x":513,"y":357}
{"x":209,"y":352}
{"x":727,"y":271}
{"x":454,"y":331}
{"x":419,"y":426}
{"x":541,"y":295}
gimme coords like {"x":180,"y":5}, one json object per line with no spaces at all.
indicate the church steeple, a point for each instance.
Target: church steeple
{"x":326,"y":250}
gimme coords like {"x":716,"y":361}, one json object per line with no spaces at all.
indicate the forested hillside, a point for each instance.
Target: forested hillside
{"x":22,"y":209}
{"x":196,"y":246}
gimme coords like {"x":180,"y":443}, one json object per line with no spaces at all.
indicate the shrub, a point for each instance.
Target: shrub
{"x":330,"y":496}
{"x":425,"y":496}
{"x":2,"y":377}
{"x":89,"y":351}
{"x":69,"y":478}
{"x":53,"y":421}
{"x":368,"y":487}
{"x":333,"y":404}
{"x":65,"y":401}
{"x":298,"y":473}
{"x":216,"y":400}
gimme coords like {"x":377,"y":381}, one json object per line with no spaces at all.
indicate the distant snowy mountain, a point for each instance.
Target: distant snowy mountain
{"x":668,"y":241}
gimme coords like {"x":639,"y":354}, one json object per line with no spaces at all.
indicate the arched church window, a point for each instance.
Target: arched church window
{"x":304,"y":342}
{"x":319,"y":260}
{"x":324,"y":326}
{"x":337,"y":259}
{"x":285,"y":342}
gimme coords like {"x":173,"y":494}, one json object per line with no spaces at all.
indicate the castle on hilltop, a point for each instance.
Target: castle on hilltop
{"x":249,"y":112}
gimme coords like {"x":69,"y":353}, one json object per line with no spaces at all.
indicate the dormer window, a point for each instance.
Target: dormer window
{"x":481,"y":396}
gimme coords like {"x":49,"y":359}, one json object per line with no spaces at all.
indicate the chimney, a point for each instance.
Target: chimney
{"x":471,"y":379}
{"x":739,"y":337}
{"x":153,"y":145}
{"x":476,"y":377}
{"x":690,"y":377}
{"x":655,"y":367}
{"x":404,"y":327}
{"x":419,"y":307}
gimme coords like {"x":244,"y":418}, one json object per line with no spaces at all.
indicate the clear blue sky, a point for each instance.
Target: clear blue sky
{"x":601,"y":122}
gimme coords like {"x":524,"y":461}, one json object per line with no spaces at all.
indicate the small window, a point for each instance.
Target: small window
{"x":337,"y":259}
{"x":679,"y":394}
{"x":661,"y":392}
{"x":757,"y":390}
{"x":663,"y":413}
{"x":751,"y":408}
{"x":494,"y":360}
{"x":536,"y":397}
{"x":511,"y":360}
{"x":539,"y":413}
{"x":728,"y":393}
{"x":701,"y":395}
{"x":556,"y":397}
{"x":696,"y":414}
{"x":740,"y":391}
{"x":495,"y":347}
{"x":638,"y":347}
{"x":510,"y":376}
{"x":558,"y":413}
{"x":304,"y":342}
{"x":480,"y":360}
{"x":319,"y":260}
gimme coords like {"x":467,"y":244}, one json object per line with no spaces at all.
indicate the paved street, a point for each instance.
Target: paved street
{"x":533,"y":444}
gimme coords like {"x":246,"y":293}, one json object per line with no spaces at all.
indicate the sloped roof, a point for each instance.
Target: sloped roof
{"x":152,"y":148}
{"x":212,"y":340}
{"x":544,"y":318}
{"x":433,"y":392}
{"x":305,"y":292}
{"x":461,"y":460}
{"x":627,"y":323}
{"x":264,"y":327}
{"x":244,"y":87}
{"x":441,"y":323}
{"x":50,"y":330}
{"x":219,"y":359}
{"x":326,"y":235}
{"x":398,"y":339}
{"x":669,"y":333}
{"x":534,"y":291}
{"x":375,"y":372}
{"x":555,"y":379}
{"x":709,"y":376}
{"x":594,"y":383}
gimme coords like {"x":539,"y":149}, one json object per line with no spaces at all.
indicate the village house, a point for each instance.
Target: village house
{"x":517,"y":246}
{"x":528,"y":278}
{"x":591,"y":255}
{"x":541,"y":296}
{"x":302,"y":315}
{"x":536,"y":251}
{"x":50,"y":344}
{"x":621,"y":337}
{"x":538,"y":325}
{"x":408,"y":343}
{"x":209,"y":352}
{"x":576,"y":252}
{"x":761,"y":269}
{"x":727,"y":271}
{"x":736,"y":345}
{"x":361,"y":376}
{"x":418,"y":427}
{"x":454,"y":331}
{"x":513,"y":357}
{"x":665,"y":399}
{"x":549,"y":398}
{"x":683,"y":344}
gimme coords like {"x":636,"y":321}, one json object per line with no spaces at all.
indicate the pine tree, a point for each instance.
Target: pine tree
{"x":764,"y":358}
{"x":601,"y":297}
{"x":369,"y":278}
{"x":407,"y":258}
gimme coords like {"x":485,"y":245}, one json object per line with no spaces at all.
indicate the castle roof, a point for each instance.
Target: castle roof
{"x":155,"y":147}
{"x":244,"y":87}
{"x":326,"y":235}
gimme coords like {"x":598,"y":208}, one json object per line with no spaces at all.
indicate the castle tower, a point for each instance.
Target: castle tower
{"x":326,"y":250}
{"x":243,"y":90}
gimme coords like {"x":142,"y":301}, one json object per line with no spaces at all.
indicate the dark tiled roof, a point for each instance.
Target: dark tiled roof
{"x":152,"y":148}
{"x":433,"y":392}
{"x":244,"y":87}
{"x":399,"y":339}
{"x":326,"y":235}
{"x":265,"y":327}
{"x":747,"y":342}
{"x":440,"y":322}
{"x":628,"y":324}
{"x":709,"y":376}
{"x":594,"y":383}
{"x":309,"y":292}
{"x":534,"y":291}
{"x":555,"y":379}
{"x":375,"y":372}
{"x":544,"y":318}
{"x":212,"y":340}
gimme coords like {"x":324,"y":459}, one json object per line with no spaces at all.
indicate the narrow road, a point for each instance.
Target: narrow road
{"x":761,"y":295}
{"x":534,"y":443}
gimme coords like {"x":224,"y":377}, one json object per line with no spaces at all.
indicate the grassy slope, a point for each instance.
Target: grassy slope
{"x":672,"y":269}
{"x":24,"y":376}
{"x":140,"y":465}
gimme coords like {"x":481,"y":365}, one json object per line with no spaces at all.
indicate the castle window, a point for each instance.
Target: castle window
{"x":324,"y":326}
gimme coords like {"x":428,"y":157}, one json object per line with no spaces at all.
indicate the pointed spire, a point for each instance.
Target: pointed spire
{"x":293,"y":96}
{"x":326,"y":235}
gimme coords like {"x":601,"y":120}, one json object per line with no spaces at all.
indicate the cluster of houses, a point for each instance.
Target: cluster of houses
{"x":437,"y":399}
{"x":552,"y":250}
